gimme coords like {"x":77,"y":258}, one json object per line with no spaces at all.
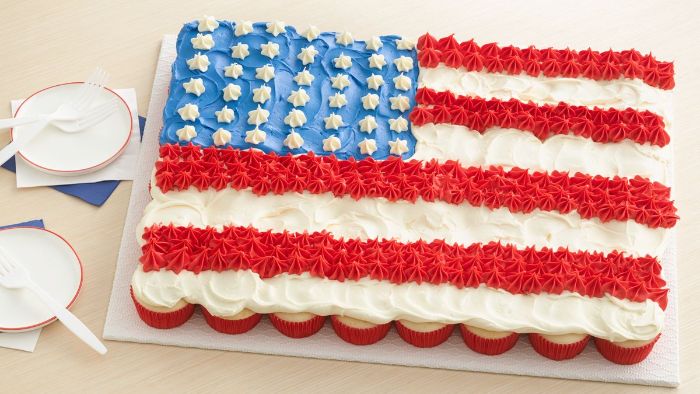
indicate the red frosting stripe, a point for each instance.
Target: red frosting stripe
{"x":544,"y":121}
{"x":568,"y":63}
{"x":518,"y":190}
{"x":518,"y":271}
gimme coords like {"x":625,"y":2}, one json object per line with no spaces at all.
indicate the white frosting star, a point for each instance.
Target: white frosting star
{"x":307,"y":55}
{"x":233,"y":70}
{"x":331,"y":144}
{"x":276,"y":28}
{"x":367,"y":147}
{"x":344,"y":38}
{"x":404,"y":63}
{"x":333,"y":121}
{"x":304,"y":78}
{"x":370,"y":101}
{"x":402,"y":82}
{"x":293,"y":140}
{"x":377,"y":61}
{"x":398,"y":125}
{"x":298,"y":97}
{"x":255,"y":136}
{"x":221,"y":137}
{"x":398,"y":147}
{"x":189,"y":112}
{"x":342,"y":61}
{"x":270,"y":49}
{"x":374,"y":43}
{"x":340,"y":81}
{"x":399,"y":102}
{"x":207,"y":23}
{"x":194,"y":86}
{"x":198,"y":62}
{"x":225,"y":115}
{"x":186,"y":133}
{"x":374,"y":81}
{"x":243,"y":28}
{"x":202,"y":41}
{"x":240,"y":51}
{"x":295,"y":118}
{"x":266,"y":73}
{"x":337,"y":100}
{"x":258,"y":116}
{"x":262,"y":94}
{"x":311,"y":33}
{"x":232,"y":92}
{"x":368,"y":123}
{"x":404,"y":44}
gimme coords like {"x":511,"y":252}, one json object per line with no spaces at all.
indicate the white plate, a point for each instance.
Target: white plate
{"x":57,"y":152}
{"x":52,"y":263}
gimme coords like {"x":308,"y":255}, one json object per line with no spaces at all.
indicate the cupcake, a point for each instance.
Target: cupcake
{"x":163,"y":317}
{"x":626,"y":352}
{"x":423,"y":334}
{"x":239,"y":323}
{"x":297,"y":325}
{"x":488,"y":342}
{"x":359,"y":332}
{"x":559,"y":347}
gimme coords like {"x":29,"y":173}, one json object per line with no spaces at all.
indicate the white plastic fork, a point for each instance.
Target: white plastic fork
{"x":92,"y":117}
{"x":14,"y":276}
{"x":71,"y":110}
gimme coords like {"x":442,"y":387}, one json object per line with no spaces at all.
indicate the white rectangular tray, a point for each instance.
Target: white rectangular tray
{"x":661,"y":368}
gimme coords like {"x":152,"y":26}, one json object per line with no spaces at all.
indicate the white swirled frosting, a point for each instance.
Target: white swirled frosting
{"x":229,"y":292}
{"x":515,"y":148}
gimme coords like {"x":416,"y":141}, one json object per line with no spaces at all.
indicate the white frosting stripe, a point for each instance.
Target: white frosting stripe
{"x":515,"y":148}
{"x":401,"y":220}
{"x":227,"y":293}
{"x":619,"y":93}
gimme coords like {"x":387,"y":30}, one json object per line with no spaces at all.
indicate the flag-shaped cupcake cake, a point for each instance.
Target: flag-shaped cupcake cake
{"x":433,"y":183}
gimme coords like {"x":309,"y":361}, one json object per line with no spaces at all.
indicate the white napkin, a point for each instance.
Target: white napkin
{"x":21,"y":340}
{"x":123,"y":168}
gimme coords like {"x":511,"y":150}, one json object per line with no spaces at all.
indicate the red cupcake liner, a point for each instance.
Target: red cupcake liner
{"x":231,"y":326}
{"x":163,"y":320}
{"x":488,"y":346}
{"x":557,"y":351}
{"x":360,"y":336}
{"x":301,"y":329}
{"x":623,"y":355}
{"x":424,"y":339}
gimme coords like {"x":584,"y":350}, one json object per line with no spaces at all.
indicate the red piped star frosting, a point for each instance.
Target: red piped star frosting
{"x":569,"y":63}
{"x":518,"y":190}
{"x":496,"y":265}
{"x":544,"y":121}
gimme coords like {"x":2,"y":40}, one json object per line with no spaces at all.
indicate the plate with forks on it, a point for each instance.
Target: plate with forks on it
{"x":52,"y":264}
{"x":74,"y":147}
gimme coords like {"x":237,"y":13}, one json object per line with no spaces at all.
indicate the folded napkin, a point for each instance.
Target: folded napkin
{"x":22,"y":340}
{"x":95,"y":193}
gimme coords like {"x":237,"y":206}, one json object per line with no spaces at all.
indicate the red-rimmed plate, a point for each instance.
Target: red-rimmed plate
{"x":61,"y":153}
{"x":52,"y":263}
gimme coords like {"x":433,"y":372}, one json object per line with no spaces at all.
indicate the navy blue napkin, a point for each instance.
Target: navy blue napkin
{"x":95,"y":193}
{"x":32,"y":223}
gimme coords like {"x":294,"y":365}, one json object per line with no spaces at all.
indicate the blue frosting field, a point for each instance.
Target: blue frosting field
{"x":286,"y":67}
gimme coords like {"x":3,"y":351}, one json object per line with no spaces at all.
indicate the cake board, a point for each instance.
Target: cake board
{"x":122,"y":323}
